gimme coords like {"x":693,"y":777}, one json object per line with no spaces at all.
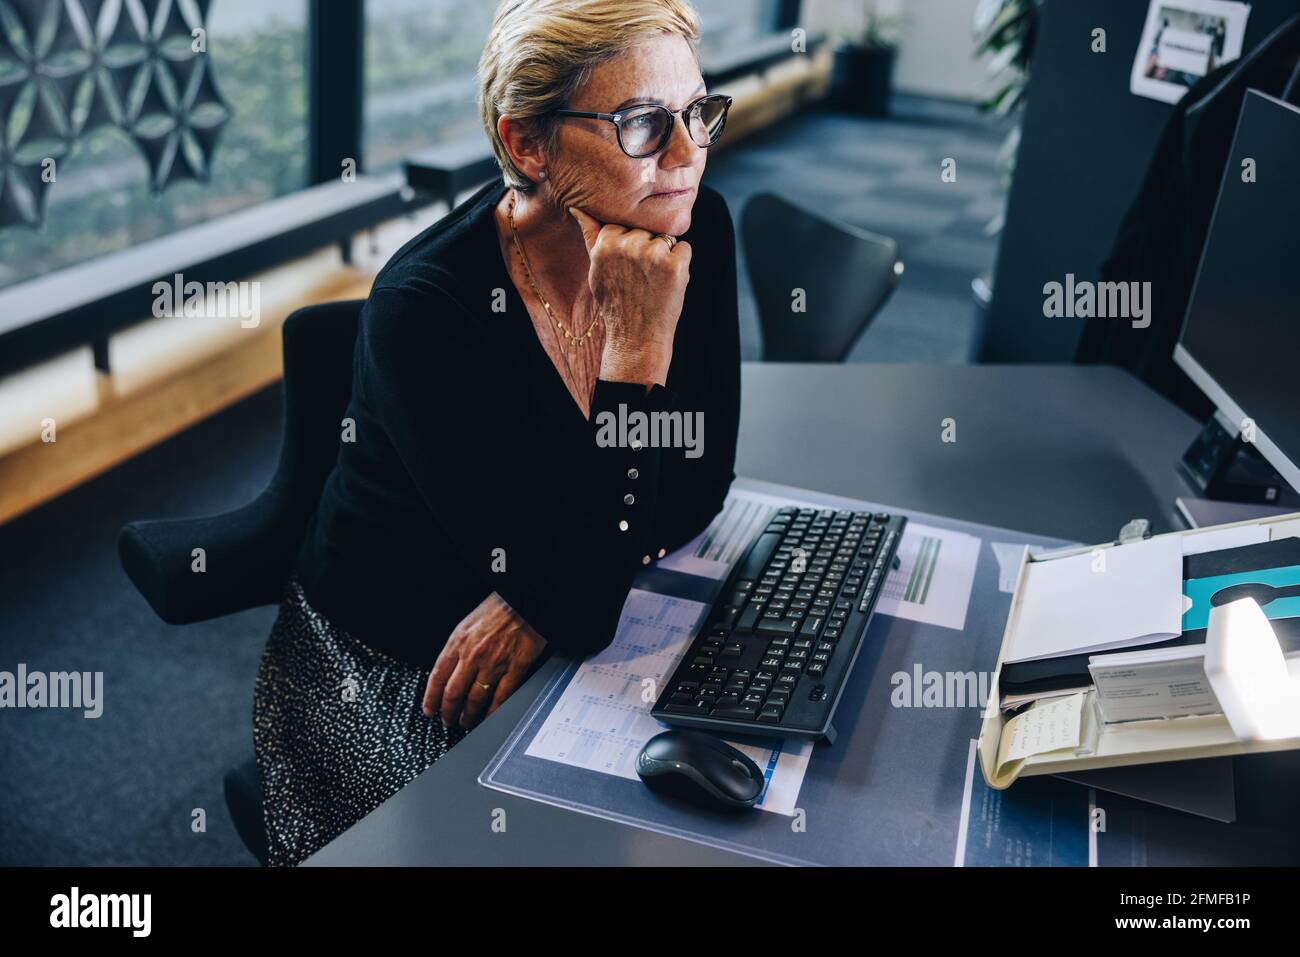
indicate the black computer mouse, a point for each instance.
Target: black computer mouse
{"x":699,"y":768}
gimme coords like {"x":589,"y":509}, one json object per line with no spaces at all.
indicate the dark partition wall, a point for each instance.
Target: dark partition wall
{"x":1085,"y":148}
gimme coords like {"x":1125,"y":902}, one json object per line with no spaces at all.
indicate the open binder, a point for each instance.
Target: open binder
{"x":1129,"y":743}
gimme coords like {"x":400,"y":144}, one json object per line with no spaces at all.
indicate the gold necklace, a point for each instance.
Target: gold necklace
{"x":573,"y":340}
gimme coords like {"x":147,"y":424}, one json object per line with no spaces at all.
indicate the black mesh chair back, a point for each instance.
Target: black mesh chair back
{"x":846,"y":274}
{"x":249,"y":552}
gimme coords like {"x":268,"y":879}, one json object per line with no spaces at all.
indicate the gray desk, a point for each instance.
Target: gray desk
{"x":1058,"y":450}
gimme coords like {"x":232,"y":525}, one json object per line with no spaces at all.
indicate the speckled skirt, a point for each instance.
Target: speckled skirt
{"x":337,"y":728}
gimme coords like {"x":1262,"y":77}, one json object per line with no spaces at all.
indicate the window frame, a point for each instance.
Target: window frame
{"x":51,"y":314}
{"x":336,"y":31}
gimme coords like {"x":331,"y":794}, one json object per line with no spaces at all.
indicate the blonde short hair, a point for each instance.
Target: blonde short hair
{"x":539,"y":52}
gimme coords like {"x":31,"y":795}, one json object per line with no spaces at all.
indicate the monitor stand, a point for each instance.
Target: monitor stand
{"x":1222,"y":466}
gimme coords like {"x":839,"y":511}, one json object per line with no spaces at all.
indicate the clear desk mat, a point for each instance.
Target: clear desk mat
{"x":900,"y":784}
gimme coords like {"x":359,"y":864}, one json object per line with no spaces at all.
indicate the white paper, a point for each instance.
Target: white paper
{"x":1011,"y":702}
{"x":1184,"y":40}
{"x":712,"y":553}
{"x":1104,"y":599}
{"x":1048,"y":726}
{"x":1009,"y":559}
{"x":1288,"y":529}
{"x":1196,"y":543}
{"x":602,"y":718}
{"x":933,"y":581}
{"x":1008,"y":555}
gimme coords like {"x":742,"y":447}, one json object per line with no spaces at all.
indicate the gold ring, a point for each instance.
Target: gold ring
{"x":485,"y":687}
{"x":670,"y":240}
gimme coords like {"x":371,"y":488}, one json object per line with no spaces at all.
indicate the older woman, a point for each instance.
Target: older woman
{"x":482,"y":509}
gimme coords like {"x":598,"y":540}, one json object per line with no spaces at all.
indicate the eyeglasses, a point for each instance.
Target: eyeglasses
{"x":646,"y":129}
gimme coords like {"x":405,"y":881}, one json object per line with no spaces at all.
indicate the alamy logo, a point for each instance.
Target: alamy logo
{"x":215,"y":300}
{"x":1098,"y":300}
{"x":102,"y":910}
{"x":58,"y":689}
{"x":940,"y":689}
{"x":664,"y":430}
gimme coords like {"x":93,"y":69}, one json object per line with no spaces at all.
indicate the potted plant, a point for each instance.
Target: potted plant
{"x":1006,"y":32}
{"x":862,"y":79}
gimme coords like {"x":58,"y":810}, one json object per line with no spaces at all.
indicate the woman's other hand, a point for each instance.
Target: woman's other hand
{"x":484,"y":661}
{"x":638,"y":282}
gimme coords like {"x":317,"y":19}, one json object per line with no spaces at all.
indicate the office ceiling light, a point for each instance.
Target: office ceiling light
{"x":1246,"y":668}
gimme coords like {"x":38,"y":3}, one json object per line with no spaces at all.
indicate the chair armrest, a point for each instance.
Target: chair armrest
{"x":247,"y":557}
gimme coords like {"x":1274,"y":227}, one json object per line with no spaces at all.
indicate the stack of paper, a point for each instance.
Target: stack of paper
{"x":1068,"y":725}
{"x":1101,"y":600}
{"x":1151,"y":684}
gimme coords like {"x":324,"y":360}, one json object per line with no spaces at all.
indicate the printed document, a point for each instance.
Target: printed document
{"x":1100,"y":600}
{"x":602,"y":719}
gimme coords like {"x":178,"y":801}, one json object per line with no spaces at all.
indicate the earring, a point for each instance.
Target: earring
{"x":542,"y":174}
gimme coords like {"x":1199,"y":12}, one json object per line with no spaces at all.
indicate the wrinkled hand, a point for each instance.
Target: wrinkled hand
{"x":639,"y":284}
{"x":491,"y":646}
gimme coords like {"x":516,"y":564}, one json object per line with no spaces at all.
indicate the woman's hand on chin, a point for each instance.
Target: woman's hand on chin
{"x":484,"y":661}
{"x":638,"y":282}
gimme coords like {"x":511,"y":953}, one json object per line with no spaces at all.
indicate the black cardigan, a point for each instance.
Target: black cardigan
{"x":470,"y":453}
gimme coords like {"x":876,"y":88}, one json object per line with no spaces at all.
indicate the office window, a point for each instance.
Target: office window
{"x":725,"y":24}
{"x":420,"y":75}
{"x":147,"y":136}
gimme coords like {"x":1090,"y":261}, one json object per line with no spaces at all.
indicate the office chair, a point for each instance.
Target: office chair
{"x":250,"y":551}
{"x":846,"y":273}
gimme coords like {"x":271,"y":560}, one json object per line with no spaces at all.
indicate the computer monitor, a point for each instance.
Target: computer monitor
{"x":1240,"y":341}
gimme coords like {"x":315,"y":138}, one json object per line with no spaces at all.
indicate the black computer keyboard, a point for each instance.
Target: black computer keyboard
{"x":778,"y":644}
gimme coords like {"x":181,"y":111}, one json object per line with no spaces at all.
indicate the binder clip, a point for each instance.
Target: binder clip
{"x":1134,"y":531}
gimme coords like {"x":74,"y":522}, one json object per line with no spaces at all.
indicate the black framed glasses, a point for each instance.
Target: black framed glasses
{"x":646,"y":129}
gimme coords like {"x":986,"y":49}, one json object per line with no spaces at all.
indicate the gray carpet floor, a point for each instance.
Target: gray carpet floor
{"x":884,"y":175}
{"x":123,"y":788}
{"x":128,"y":788}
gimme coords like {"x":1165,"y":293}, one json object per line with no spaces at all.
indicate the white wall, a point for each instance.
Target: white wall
{"x":937,"y":50}
{"x":936,"y":53}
